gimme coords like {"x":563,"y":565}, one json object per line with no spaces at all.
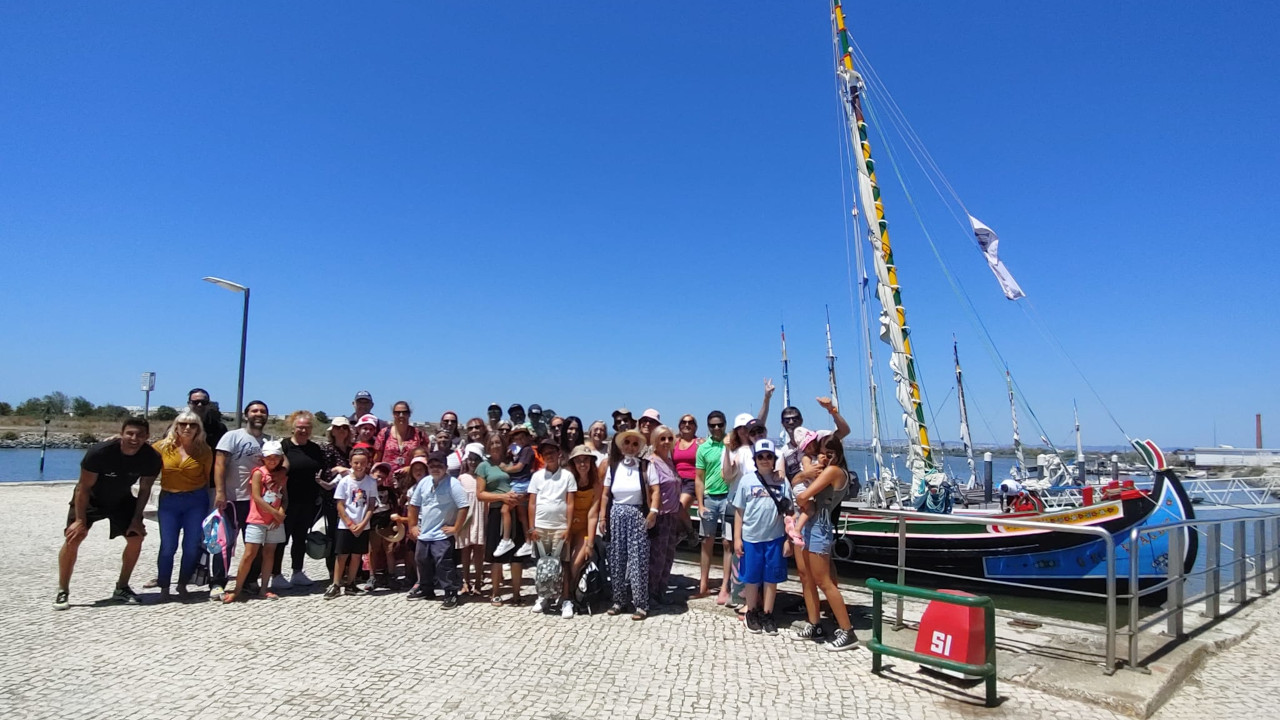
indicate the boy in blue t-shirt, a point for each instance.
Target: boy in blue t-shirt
{"x":762,"y":499}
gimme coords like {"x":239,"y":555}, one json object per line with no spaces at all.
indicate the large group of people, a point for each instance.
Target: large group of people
{"x":393,"y":507}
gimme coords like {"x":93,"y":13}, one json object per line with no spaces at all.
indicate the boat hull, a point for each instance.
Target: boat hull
{"x":1045,"y":559}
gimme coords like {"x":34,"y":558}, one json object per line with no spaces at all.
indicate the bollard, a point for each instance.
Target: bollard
{"x":1173,"y":625}
{"x":1241,"y":593}
{"x":1115,"y":468}
{"x":986,"y":478}
{"x":1213,"y":578}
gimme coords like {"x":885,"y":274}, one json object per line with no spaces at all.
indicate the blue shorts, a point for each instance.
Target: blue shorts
{"x":520,"y":487}
{"x":818,"y":535}
{"x":762,"y":562}
{"x":715,"y":515}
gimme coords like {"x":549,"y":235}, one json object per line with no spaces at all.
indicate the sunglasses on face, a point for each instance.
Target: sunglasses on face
{"x":188,"y":425}
{"x":687,"y":422}
{"x":198,"y":403}
{"x":715,"y":426}
{"x":791,"y":419}
{"x":475,"y":427}
{"x":400,"y":412}
{"x":766,"y":456}
{"x":448,"y":422}
{"x":758,"y":432}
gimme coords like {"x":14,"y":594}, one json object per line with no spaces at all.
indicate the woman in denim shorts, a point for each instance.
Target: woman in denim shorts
{"x":824,"y":495}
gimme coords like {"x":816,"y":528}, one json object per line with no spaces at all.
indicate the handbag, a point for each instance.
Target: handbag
{"x":319,"y":544}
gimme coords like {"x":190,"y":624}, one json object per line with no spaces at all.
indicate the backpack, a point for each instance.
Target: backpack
{"x":220,"y":534}
{"x":548,"y":577}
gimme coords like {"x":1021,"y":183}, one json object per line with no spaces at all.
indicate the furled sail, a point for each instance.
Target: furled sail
{"x":893,"y":328}
{"x":964,"y":420}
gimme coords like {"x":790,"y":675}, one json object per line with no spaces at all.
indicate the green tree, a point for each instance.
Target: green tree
{"x":81,"y":407}
{"x":321,"y":417}
{"x":58,"y":402}
{"x":112,"y":412}
{"x":31,"y":407}
{"x":164,"y":412}
{"x":6,"y":408}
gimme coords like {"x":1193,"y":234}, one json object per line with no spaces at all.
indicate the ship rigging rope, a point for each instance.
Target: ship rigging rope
{"x":920,"y":153}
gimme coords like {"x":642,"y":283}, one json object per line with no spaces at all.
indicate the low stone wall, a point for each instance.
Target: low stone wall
{"x":35,"y":439}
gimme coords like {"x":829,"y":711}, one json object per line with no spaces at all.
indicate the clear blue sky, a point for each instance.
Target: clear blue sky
{"x":588,"y":204}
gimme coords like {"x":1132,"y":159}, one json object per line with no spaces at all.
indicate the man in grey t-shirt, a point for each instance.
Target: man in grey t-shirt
{"x":238,"y":453}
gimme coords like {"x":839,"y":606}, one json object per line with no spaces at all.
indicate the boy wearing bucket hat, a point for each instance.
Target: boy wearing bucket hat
{"x":762,"y":499}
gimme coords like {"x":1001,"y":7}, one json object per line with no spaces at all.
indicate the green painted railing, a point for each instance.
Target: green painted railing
{"x":987,"y":670}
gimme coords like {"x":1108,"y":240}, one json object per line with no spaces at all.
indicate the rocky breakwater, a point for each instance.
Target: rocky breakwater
{"x":15,"y":439}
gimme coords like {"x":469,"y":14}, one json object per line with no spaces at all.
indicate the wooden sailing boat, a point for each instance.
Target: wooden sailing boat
{"x":953,"y":542}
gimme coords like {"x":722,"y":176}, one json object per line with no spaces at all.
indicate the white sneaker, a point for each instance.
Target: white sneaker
{"x":215,"y":592}
{"x":300,"y":579}
{"x":537,"y":606}
{"x":278,"y":582}
{"x":504,"y":547}
{"x":526,"y":550}
{"x":566,"y":609}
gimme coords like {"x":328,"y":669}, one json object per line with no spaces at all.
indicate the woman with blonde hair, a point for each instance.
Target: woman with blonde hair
{"x":668,"y":526}
{"x":184,"y":498}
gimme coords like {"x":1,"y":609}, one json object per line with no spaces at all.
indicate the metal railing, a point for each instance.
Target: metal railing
{"x":986,"y":671}
{"x":1108,"y":596}
{"x":1244,"y":567}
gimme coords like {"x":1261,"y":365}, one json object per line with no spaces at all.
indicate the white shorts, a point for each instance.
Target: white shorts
{"x":260,"y":535}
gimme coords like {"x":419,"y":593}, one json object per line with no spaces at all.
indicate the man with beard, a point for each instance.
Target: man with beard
{"x":238,"y":453}
{"x":200,"y":404}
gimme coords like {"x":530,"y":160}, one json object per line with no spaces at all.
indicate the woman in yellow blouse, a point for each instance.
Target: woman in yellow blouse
{"x":184,"y":498}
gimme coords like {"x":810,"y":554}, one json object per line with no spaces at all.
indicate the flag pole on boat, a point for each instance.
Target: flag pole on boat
{"x":893,"y":318}
{"x":831,"y":364}
{"x":786,"y":377}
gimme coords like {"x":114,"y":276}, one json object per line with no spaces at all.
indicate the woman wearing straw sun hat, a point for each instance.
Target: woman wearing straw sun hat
{"x":630,"y":509}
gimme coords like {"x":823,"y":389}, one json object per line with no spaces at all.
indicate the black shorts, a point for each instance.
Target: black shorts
{"x":118,"y":513}
{"x":347,"y":543}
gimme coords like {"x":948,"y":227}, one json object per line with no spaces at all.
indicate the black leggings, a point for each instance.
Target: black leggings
{"x":297,"y":524}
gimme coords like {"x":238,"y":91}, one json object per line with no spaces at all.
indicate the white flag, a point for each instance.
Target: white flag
{"x":989,"y":243}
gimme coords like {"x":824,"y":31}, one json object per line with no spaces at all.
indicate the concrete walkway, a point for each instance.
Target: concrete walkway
{"x":380,"y":656}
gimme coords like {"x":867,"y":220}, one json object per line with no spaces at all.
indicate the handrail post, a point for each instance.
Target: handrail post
{"x":876,"y":623}
{"x":1173,"y":625}
{"x":1111,"y":609}
{"x":902,"y":568}
{"x":1260,"y":542}
{"x":1275,"y":547}
{"x":1213,"y":562}
{"x":1133,"y":598}
{"x":1240,"y":592}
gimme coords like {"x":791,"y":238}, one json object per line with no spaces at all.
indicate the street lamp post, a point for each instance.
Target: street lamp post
{"x":244,"y":336}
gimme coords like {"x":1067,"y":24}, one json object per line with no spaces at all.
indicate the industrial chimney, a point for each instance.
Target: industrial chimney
{"x":1258,"y":423}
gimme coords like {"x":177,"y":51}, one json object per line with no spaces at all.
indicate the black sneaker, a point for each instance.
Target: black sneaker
{"x":770,"y":627}
{"x":753,"y":622}
{"x":125,"y":594}
{"x":62,"y":600}
{"x":450,"y":602}
{"x":842,"y":640}
{"x":333,"y":592}
{"x":353,"y":589}
{"x":416,"y":593}
{"x":810,"y":632}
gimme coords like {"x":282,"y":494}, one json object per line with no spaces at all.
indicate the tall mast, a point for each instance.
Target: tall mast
{"x":786,"y":378}
{"x":964,"y":418}
{"x":831,"y":364}
{"x":893,"y":318}
{"x":1017,"y":439}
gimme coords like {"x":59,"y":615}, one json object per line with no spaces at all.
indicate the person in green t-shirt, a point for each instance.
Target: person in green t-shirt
{"x":712,"y":493}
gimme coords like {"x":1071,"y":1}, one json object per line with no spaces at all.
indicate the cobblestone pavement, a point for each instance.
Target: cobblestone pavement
{"x":380,"y":656}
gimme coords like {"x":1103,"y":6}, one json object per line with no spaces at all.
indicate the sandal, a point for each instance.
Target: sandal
{"x":639,"y":614}
{"x":272,"y":596}
{"x":614,"y":609}
{"x":228,"y":598}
